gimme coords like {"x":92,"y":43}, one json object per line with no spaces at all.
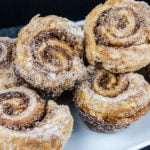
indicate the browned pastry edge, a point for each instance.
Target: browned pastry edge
{"x":106,"y":113}
{"x":45,"y":60}
{"x":7,"y":75}
{"x":27,"y":84}
{"x":101,"y":85}
{"x":44,"y":92}
{"x":111,"y":52}
{"x":31,"y":123}
{"x":7,"y":44}
{"x":100,"y":125}
{"x":34,"y":144}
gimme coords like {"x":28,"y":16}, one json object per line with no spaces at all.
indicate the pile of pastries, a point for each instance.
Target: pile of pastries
{"x":53,"y":54}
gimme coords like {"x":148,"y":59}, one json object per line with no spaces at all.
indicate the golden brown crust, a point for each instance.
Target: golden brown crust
{"x":7,"y":76}
{"x":108,"y":84}
{"x":47,"y":54}
{"x":117,"y":35}
{"x":108,"y":126}
{"x":31,"y":123}
{"x":116,"y":104}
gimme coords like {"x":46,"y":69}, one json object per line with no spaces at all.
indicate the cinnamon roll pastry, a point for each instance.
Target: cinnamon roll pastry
{"x":108,"y":102}
{"x":28,"y":123}
{"x":7,"y":76}
{"x":47,"y":54}
{"x":117,"y":35}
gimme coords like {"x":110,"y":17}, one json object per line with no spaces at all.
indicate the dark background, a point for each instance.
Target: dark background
{"x":19,"y":12}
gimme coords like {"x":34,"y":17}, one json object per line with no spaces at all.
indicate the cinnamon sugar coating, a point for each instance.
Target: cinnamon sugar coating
{"x":48,"y":52}
{"x":7,"y":76}
{"x":31,"y":123}
{"x":114,"y":103}
{"x":117,"y":35}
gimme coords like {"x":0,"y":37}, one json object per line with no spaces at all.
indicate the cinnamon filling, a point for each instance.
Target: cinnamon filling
{"x":108,"y":84}
{"x":122,"y":23}
{"x":53,"y":59}
{"x":6,"y":61}
{"x":110,"y":19}
{"x":54,"y":34}
{"x":1,"y":49}
{"x":14,"y":102}
{"x":14,"y":107}
{"x":49,"y":57}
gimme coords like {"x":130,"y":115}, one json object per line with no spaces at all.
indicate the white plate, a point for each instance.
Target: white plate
{"x":134,"y":137}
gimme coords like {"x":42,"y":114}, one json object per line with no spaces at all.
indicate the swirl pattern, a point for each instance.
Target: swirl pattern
{"x":118,"y":27}
{"x":117,"y":33}
{"x":53,"y":59}
{"x":6,"y":47}
{"x":28,"y":119}
{"x":7,"y":76}
{"x":108,"y":102}
{"x":108,"y":84}
{"x":48,"y":54}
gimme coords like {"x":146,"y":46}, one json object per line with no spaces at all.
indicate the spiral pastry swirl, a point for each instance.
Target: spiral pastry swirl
{"x":108,"y":102}
{"x":117,"y":35}
{"x":32,"y":123}
{"x":7,"y":76}
{"x":48,"y":54}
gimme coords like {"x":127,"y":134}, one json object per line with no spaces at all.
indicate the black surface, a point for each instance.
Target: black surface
{"x":10,"y":32}
{"x":19,"y":12}
{"x":146,"y":148}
